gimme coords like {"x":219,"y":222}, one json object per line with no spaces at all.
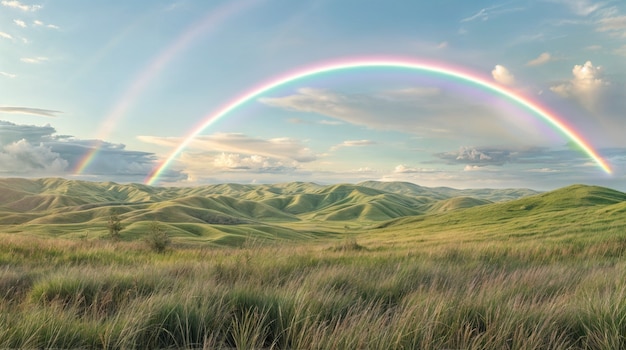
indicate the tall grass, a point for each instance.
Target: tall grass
{"x":509,"y":294}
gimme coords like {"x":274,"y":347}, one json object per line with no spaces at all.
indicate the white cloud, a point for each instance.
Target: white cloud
{"x":502,"y":75}
{"x":18,"y":5}
{"x":39,"y":23}
{"x":8,"y":75}
{"x":586,"y":85}
{"x":24,"y":158}
{"x":34,"y":60}
{"x":403,"y":169}
{"x":278,"y":148}
{"x":593,"y":47}
{"x":353,"y":143}
{"x":542,"y":59}
{"x":472,"y":168}
{"x":5,"y":36}
{"x":19,"y":23}
{"x":235,"y":161}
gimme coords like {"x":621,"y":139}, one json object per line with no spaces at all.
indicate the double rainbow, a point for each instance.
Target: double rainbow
{"x":434,"y":68}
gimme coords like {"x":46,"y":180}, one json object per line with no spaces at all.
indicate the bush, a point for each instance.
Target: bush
{"x":114,"y":226}
{"x":158,"y":240}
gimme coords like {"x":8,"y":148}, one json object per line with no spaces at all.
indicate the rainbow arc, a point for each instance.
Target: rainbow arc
{"x":464,"y":76}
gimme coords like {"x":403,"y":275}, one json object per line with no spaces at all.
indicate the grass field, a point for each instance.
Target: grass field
{"x":567,"y":293}
{"x":329,"y":270}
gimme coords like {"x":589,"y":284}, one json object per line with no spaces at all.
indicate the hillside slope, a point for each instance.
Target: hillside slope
{"x":298,"y":209}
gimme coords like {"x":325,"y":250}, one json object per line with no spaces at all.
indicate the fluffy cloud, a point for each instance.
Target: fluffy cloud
{"x":29,"y":110}
{"x":29,"y":150}
{"x":542,"y":59}
{"x":252,"y":163}
{"x":502,"y":75}
{"x":23,"y":158}
{"x":5,"y":36}
{"x":18,"y":5}
{"x":586,"y":85}
{"x":23,"y":150}
{"x":19,"y":23}
{"x":8,"y":75}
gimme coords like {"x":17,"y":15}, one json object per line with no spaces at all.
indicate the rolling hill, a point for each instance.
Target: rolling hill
{"x":73,"y":208}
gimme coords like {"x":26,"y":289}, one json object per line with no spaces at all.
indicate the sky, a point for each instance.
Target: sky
{"x":109,"y":90}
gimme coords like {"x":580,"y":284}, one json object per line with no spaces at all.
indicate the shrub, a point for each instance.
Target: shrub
{"x":114,"y":225}
{"x":158,"y":240}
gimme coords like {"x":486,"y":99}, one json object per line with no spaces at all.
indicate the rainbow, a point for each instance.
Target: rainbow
{"x":132,"y":93}
{"x":435,"y":68}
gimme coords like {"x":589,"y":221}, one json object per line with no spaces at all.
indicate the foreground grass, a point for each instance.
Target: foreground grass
{"x":515,"y":294}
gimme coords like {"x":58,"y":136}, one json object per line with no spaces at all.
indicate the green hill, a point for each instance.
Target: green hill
{"x":299,"y":209}
{"x":576,"y":208}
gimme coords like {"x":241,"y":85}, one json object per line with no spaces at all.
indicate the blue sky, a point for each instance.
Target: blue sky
{"x":133,"y":78}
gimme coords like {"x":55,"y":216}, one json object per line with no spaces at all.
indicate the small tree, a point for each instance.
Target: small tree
{"x":114,"y":225}
{"x":158,"y":240}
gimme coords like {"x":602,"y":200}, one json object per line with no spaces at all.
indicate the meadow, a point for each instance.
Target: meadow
{"x":568,"y":293}
{"x":312,"y":267}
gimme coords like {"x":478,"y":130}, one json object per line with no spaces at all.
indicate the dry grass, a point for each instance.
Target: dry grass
{"x":503,"y":295}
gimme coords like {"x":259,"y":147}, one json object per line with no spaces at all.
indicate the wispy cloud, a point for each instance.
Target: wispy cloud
{"x":31,"y":111}
{"x":34,"y":60}
{"x":404,"y":169}
{"x":18,"y":5}
{"x":278,"y":148}
{"x":8,"y":75}
{"x":621,"y":51}
{"x":6,"y":36}
{"x":39,"y":23}
{"x":490,"y":13}
{"x":426,"y":112}
{"x":579,"y":7}
{"x":541,"y":60}
{"x":353,"y":143}
{"x":616,"y":26}
{"x":19,"y":23}
{"x":322,"y":122}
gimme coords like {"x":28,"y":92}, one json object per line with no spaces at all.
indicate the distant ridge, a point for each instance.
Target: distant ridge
{"x":299,"y":209}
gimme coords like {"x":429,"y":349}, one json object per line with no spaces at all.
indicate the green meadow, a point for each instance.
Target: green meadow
{"x":305,"y":266}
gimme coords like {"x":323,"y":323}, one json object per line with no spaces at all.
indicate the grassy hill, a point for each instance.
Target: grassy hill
{"x":71,"y":208}
{"x":576,"y":209}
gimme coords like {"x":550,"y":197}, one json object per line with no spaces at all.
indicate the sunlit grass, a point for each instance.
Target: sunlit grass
{"x":566,"y":293}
